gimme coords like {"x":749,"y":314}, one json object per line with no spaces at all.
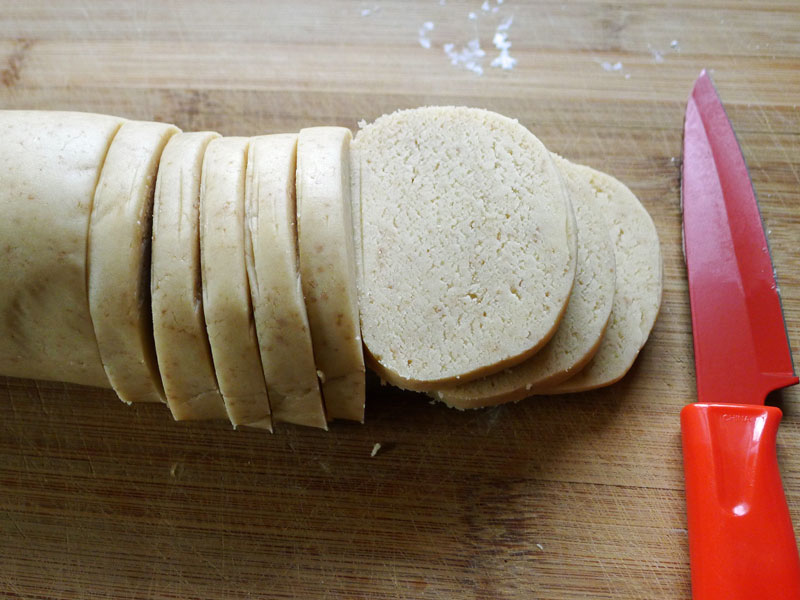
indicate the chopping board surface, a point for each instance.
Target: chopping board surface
{"x":577,"y":496}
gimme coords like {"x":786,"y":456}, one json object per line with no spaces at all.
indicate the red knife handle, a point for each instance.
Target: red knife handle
{"x":741,"y":540}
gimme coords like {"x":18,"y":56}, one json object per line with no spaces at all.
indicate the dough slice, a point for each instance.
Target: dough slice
{"x":272,"y":266}
{"x":467,"y":244}
{"x":50,"y":163}
{"x":119,"y":260}
{"x":182,"y":348}
{"x":226,"y":293}
{"x":327,"y":267}
{"x":580,"y":331}
{"x":637,"y":297}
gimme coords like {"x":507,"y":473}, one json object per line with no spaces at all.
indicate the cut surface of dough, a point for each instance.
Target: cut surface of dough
{"x":51,"y":162}
{"x":327,"y":267}
{"x":182,"y":347}
{"x":272,"y":264}
{"x":226,"y":293}
{"x":467,"y":244}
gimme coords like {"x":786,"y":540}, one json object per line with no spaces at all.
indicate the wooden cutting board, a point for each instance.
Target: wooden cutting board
{"x":578,"y":496}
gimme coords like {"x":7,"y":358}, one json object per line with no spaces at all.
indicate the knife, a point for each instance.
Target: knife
{"x":741,"y":540}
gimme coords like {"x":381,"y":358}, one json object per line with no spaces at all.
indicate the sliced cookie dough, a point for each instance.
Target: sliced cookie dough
{"x":182,"y":347}
{"x":226,"y":293}
{"x":327,"y":267}
{"x":119,"y":260}
{"x":272,"y":265}
{"x":637,"y":297}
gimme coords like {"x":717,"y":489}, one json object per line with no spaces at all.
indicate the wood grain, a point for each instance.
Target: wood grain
{"x":557,"y":497}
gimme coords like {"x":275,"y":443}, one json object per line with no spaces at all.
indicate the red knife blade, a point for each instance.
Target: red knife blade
{"x":741,"y":539}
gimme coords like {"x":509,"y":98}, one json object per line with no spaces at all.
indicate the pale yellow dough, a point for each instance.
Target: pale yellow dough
{"x":182,"y":348}
{"x":637,"y":297}
{"x":327,"y":267}
{"x":467,"y":244}
{"x":226,"y":293}
{"x":272,"y":265}
{"x":119,"y":260}
{"x":580,"y":331}
{"x":51,"y":162}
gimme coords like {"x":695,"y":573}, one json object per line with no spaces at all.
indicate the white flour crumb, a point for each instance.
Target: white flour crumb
{"x":658,"y":58}
{"x":506,"y":24}
{"x":468,"y":56}
{"x":504,"y":60}
{"x":375,"y":449}
{"x":540,"y":547}
{"x":500,"y":41}
{"x":607,"y":66}
{"x":426,"y":28}
{"x":365,"y":12}
{"x":362,"y":123}
{"x":674,"y":45}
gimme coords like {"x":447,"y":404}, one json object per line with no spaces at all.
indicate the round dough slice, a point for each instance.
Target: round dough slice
{"x":580,"y":331}
{"x":467,"y":245}
{"x":284,"y":337}
{"x":637,"y":297}
{"x":119,"y":260}
{"x":226,"y":293}
{"x":327,"y":267}
{"x":50,"y":163}
{"x":182,"y":348}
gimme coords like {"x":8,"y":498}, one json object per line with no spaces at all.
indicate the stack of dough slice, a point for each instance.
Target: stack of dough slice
{"x":637,"y":298}
{"x":584,"y":323}
{"x":467,"y":244}
{"x":636,"y":291}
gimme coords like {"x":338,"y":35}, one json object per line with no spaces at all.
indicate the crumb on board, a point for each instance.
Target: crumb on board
{"x":470,"y":56}
{"x":375,"y":449}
